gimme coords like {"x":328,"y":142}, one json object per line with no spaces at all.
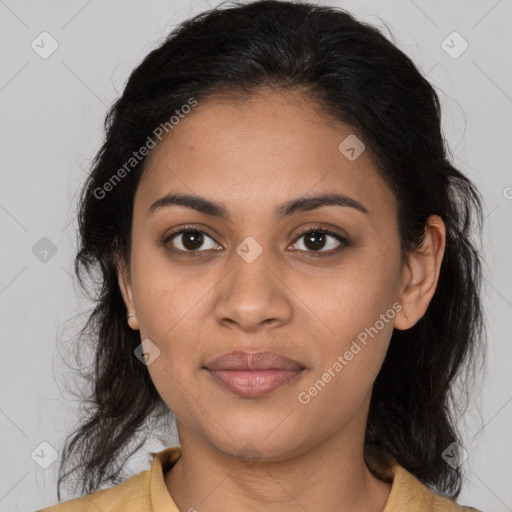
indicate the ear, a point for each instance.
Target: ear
{"x":421,"y":274}
{"x":125,"y":285}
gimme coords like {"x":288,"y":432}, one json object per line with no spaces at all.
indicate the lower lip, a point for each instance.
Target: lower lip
{"x":251,"y":383}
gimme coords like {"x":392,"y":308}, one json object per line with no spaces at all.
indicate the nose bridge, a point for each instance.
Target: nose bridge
{"x":252,"y":293}
{"x":251,"y":263}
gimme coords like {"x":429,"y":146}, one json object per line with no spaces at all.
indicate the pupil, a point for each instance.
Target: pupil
{"x":195,"y":237}
{"x":315,"y":237}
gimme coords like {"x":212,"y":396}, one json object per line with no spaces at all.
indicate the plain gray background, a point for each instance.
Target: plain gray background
{"x":52,"y":112}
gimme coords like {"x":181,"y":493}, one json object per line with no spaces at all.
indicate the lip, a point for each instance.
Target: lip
{"x":253,"y":374}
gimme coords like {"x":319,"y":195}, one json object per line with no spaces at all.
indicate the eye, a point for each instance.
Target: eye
{"x":189,"y":240}
{"x":318,"y":241}
{"x":318,"y":238}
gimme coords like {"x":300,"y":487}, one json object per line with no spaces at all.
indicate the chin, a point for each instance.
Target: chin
{"x":259,"y":446}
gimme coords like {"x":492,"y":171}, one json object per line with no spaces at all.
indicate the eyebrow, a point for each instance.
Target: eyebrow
{"x":216,"y":209}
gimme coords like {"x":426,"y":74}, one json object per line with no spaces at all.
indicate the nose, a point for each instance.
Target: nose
{"x":253,"y":296}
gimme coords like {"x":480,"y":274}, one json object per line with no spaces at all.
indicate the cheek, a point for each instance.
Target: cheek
{"x":357,"y":312}
{"x":169,"y":297}
{"x":362,"y":291}
{"x":341,"y":380}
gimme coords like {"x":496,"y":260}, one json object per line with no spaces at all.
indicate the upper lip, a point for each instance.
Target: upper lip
{"x":242,"y":360}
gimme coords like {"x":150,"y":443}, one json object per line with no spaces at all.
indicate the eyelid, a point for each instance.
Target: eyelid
{"x":183,"y":229}
{"x":324,"y":229}
{"x":343,"y":240}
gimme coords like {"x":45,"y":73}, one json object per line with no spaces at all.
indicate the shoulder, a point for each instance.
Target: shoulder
{"x":132,"y":494}
{"x":442,"y":503}
{"x":411,"y":495}
{"x":408,"y":493}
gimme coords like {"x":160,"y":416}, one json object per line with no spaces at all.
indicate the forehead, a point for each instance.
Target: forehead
{"x":259,"y":150}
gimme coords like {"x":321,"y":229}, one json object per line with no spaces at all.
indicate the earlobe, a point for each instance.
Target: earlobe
{"x":125,"y":285}
{"x":421,"y":274}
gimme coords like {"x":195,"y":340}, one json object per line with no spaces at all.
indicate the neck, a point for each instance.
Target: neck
{"x":331,"y":476}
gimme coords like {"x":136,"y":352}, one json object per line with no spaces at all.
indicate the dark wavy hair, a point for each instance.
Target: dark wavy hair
{"x":355,"y":75}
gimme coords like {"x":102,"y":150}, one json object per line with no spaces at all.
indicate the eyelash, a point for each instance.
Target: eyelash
{"x":311,"y":229}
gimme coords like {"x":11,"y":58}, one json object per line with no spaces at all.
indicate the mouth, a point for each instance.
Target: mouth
{"x":253,"y":374}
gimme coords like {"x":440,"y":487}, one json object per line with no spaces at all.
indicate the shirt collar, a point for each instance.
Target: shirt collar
{"x":407,"y":492}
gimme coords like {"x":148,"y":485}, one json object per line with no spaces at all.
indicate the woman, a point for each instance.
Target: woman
{"x":285,"y":265}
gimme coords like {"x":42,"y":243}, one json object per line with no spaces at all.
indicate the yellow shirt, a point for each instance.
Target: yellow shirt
{"x":147,"y":492}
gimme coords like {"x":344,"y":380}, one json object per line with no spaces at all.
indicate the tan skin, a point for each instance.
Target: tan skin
{"x":251,"y":157}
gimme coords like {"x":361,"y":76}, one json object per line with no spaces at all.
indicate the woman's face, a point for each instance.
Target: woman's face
{"x":254,"y":283}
